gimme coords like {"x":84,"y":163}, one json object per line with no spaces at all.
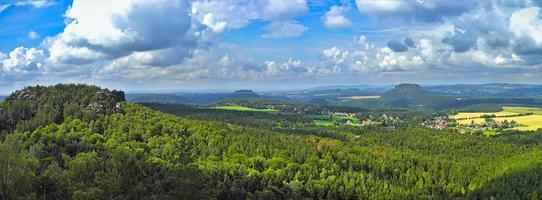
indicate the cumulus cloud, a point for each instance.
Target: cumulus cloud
{"x":168,"y":39}
{"x":215,"y":25}
{"x":416,"y":55}
{"x":334,"y":18}
{"x":335,"y":56}
{"x":526,"y":25}
{"x":22,"y":61}
{"x":284,"y":29}
{"x":101,"y":30}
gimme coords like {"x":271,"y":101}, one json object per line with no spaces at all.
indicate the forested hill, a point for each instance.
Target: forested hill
{"x":410,"y":95}
{"x":144,"y":154}
{"x":32,"y":107}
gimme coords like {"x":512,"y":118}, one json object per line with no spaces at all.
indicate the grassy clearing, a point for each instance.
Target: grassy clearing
{"x":243,"y":108}
{"x":320,"y":122}
{"x":326,"y":120}
{"x":529,"y":122}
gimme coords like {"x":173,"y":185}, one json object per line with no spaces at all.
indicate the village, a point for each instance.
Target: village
{"x":476,"y":125}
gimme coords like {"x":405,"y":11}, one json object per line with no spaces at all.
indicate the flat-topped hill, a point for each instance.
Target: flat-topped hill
{"x":406,"y":95}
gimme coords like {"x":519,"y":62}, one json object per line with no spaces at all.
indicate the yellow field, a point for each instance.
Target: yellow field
{"x":466,"y":115}
{"x":529,"y":122}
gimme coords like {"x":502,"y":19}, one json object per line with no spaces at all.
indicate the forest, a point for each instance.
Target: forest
{"x":84,"y":142}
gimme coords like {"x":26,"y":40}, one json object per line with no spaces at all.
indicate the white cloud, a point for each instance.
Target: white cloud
{"x":334,"y":18}
{"x":105,"y":29}
{"x":33,"y":35}
{"x":23,"y":60}
{"x":526,"y":25}
{"x":217,"y":26}
{"x":284,"y":29}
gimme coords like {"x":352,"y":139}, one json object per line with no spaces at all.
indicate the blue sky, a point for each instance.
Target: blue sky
{"x":268,"y":44}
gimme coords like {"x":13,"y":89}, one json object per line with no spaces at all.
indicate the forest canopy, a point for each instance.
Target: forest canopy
{"x":82,"y":152}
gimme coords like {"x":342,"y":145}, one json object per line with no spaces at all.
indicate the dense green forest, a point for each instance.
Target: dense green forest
{"x":85,"y":143}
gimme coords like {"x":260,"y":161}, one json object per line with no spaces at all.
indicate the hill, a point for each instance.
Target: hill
{"x":189,"y":98}
{"x":32,"y":107}
{"x":488,"y":90}
{"x":409,"y":95}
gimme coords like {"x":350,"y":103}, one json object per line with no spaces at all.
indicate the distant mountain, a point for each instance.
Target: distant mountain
{"x":2,"y":98}
{"x":244,"y":94}
{"x":409,"y":95}
{"x":333,"y":87}
{"x":189,"y":98}
{"x":493,"y":89}
{"x":365,"y":88}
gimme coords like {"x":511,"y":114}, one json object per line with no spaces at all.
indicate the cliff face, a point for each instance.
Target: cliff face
{"x":408,"y":86}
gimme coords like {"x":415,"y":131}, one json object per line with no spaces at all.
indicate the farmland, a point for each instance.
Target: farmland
{"x":528,"y":118}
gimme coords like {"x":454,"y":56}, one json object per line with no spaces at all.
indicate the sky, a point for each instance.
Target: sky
{"x":267,"y":44}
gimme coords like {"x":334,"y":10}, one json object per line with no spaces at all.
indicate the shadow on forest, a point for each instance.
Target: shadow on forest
{"x":523,"y":184}
{"x":521,"y":138}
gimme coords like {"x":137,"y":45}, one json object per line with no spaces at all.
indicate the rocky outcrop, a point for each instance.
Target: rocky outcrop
{"x":105,"y":101}
{"x":24,"y":94}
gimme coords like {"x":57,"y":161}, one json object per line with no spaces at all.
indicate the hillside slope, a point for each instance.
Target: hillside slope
{"x":144,"y":154}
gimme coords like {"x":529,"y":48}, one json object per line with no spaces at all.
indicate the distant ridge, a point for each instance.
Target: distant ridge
{"x":490,"y":89}
{"x":190,"y":98}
